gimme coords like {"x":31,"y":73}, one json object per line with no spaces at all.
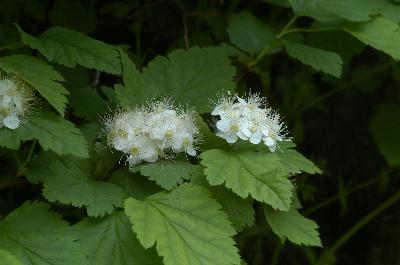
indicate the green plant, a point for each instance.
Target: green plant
{"x":203,"y":197}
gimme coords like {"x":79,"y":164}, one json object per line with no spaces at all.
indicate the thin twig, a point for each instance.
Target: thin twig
{"x":185,"y":34}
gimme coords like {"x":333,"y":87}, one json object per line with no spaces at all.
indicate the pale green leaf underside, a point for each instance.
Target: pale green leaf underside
{"x":40,"y":75}
{"x":68,"y":47}
{"x":38,"y":237}
{"x":7,"y":258}
{"x":320,"y":60}
{"x":263,"y":175}
{"x":110,"y":241}
{"x":188,"y":226}
{"x":385,"y":127}
{"x":293,"y":226}
{"x":247,"y":172}
{"x":53,"y":133}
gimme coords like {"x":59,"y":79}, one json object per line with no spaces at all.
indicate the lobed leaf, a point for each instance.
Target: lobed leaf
{"x":40,"y":75}
{"x":36,"y":236}
{"x":69,"y":48}
{"x":53,"y":133}
{"x":188,"y":217}
{"x":168,"y":174}
{"x":70,"y":182}
{"x":321,"y":60}
{"x":248,"y":33}
{"x":263,"y":175}
{"x":293,"y":226}
{"x":191,"y":77}
{"x":380,"y":33}
{"x":110,"y":241}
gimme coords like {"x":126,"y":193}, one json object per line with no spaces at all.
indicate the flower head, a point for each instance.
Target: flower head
{"x":15,"y":100}
{"x":248,"y":119}
{"x":152,"y":132}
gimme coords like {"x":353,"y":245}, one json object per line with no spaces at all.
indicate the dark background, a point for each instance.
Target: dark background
{"x":329,"y":118}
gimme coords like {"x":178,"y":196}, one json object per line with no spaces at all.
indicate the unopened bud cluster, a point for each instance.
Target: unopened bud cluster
{"x":15,"y":98}
{"x":153,"y":132}
{"x":248,"y":119}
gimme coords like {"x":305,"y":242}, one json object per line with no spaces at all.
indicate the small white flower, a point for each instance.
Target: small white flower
{"x":148,"y":133}
{"x":15,"y":99}
{"x":248,"y":119}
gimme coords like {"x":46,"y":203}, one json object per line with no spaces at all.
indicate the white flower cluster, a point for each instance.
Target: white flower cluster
{"x":159,"y":130}
{"x":248,"y":119}
{"x":14,"y":102}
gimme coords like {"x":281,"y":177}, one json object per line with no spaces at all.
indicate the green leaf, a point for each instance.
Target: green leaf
{"x":296,"y":162}
{"x":325,"y":10}
{"x":188,"y":217}
{"x":53,"y":133}
{"x":168,"y":174}
{"x":9,"y":139}
{"x":86,"y":102}
{"x":134,"y":185}
{"x":37,"y":237}
{"x":41,"y":76}
{"x":240,"y":211}
{"x":379,"y":33}
{"x":110,"y":241}
{"x":261,"y":175}
{"x":135,"y":90}
{"x":248,"y":33}
{"x":293,"y":226}
{"x":191,"y":77}
{"x":71,"y":181}
{"x":69,"y":48}
{"x":321,"y":60}
{"x":8,"y":259}
{"x":385,"y":127}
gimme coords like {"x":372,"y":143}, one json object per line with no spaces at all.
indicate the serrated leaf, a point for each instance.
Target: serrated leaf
{"x":191,"y":77}
{"x":53,"y":133}
{"x":296,"y":162}
{"x":248,"y":33}
{"x":69,"y":48}
{"x":261,"y":175}
{"x":325,"y":10}
{"x":379,"y":33}
{"x":167,"y":174}
{"x":7,"y":258}
{"x":240,"y":211}
{"x":70,"y":181}
{"x":385,"y":127}
{"x":36,"y":237}
{"x":188,"y":217}
{"x":41,"y":76}
{"x":135,"y":90}
{"x":110,"y":241}
{"x":321,"y":60}
{"x":293,"y":226}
